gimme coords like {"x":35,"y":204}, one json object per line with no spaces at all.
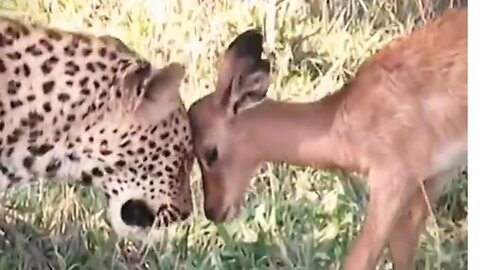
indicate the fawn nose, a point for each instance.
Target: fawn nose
{"x":210,"y":213}
{"x":217,"y":214}
{"x":137,"y":213}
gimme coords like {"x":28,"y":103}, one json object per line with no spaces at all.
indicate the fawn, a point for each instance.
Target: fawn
{"x":401,"y":122}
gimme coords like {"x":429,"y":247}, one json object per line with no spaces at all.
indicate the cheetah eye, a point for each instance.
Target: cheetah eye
{"x":211,"y":155}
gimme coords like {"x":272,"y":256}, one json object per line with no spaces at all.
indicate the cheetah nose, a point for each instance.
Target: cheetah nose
{"x":137,"y":213}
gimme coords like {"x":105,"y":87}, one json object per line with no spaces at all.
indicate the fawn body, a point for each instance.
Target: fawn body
{"x":401,"y":122}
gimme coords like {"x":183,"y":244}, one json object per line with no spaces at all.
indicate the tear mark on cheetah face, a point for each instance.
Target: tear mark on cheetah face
{"x":75,"y":107}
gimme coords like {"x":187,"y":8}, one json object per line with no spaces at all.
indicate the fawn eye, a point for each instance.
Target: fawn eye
{"x":211,"y":156}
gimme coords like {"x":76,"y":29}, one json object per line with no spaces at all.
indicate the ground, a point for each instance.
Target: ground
{"x":294,"y":218}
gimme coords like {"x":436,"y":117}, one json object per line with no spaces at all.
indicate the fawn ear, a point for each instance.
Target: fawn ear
{"x":244,"y":76}
{"x":152,"y":94}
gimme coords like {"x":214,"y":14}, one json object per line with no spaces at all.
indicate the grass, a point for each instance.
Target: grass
{"x":294,"y":218}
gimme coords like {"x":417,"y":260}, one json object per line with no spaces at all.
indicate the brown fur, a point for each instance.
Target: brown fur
{"x":400,"y":122}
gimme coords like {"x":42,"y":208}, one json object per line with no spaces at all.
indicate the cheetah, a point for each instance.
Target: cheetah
{"x":86,"y":109}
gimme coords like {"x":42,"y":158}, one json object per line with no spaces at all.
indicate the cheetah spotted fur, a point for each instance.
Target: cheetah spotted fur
{"x":83,"y":108}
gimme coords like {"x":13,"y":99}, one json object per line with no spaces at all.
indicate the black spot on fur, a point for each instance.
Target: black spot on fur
{"x":109,"y":170}
{"x":97,"y":172}
{"x":103,"y":94}
{"x":85,"y":91}
{"x":83,"y":82}
{"x":14,"y":55}
{"x":53,"y":35}
{"x":13,"y":86}
{"x":105,"y":152}
{"x":47,"y":107}
{"x":10,"y":31}
{"x":34,"y":119}
{"x":48,"y":64}
{"x":101,"y":66}
{"x":164,"y":136}
{"x":14,"y":137}
{"x":33,"y":50}
{"x":152,"y":144}
{"x":24,"y":122}
{"x":177,"y":148}
{"x":73,"y":157}
{"x":125,"y":144}
{"x":31,"y":97}
{"x":3,"y":40}
{"x":15,"y":103}
{"x":14,"y":178}
{"x":26,"y":70}
{"x":53,"y":166}
{"x":86,"y":179}
{"x":40,"y":150}
{"x":47,"y":45}
{"x":63,"y":97}
{"x":86,"y":51}
{"x":34,"y":134}
{"x":3,"y":169}
{"x":66,"y":128}
{"x":150,"y":167}
{"x":3,"y":68}
{"x":48,"y":87}
{"x":71,"y":117}
{"x":102,"y":52}
{"x":120,"y":163}
{"x":28,"y":162}
{"x":153,"y":129}
{"x":112,"y":56}
{"x":91,"y":67}
{"x":69,"y":50}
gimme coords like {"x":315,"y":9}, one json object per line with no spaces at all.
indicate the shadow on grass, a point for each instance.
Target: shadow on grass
{"x":24,"y":246}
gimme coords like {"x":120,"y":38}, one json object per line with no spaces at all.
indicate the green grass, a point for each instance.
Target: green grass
{"x":294,"y":218}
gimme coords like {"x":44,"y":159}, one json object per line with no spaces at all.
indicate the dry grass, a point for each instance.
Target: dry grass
{"x":295,"y":218}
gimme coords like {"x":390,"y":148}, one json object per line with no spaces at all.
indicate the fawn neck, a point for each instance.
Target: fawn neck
{"x":303,"y":134}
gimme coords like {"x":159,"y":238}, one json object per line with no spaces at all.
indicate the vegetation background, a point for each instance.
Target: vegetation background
{"x":294,"y":218}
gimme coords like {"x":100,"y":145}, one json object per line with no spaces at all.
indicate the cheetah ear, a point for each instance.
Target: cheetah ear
{"x":161,"y":94}
{"x":132,"y":83}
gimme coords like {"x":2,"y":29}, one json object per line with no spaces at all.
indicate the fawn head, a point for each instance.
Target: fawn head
{"x":218,"y":126}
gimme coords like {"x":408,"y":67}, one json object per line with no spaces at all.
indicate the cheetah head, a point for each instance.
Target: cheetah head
{"x":88,"y":108}
{"x":144,"y":149}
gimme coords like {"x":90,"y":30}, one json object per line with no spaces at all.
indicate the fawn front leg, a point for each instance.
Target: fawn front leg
{"x":389,"y":194}
{"x":404,"y":237}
